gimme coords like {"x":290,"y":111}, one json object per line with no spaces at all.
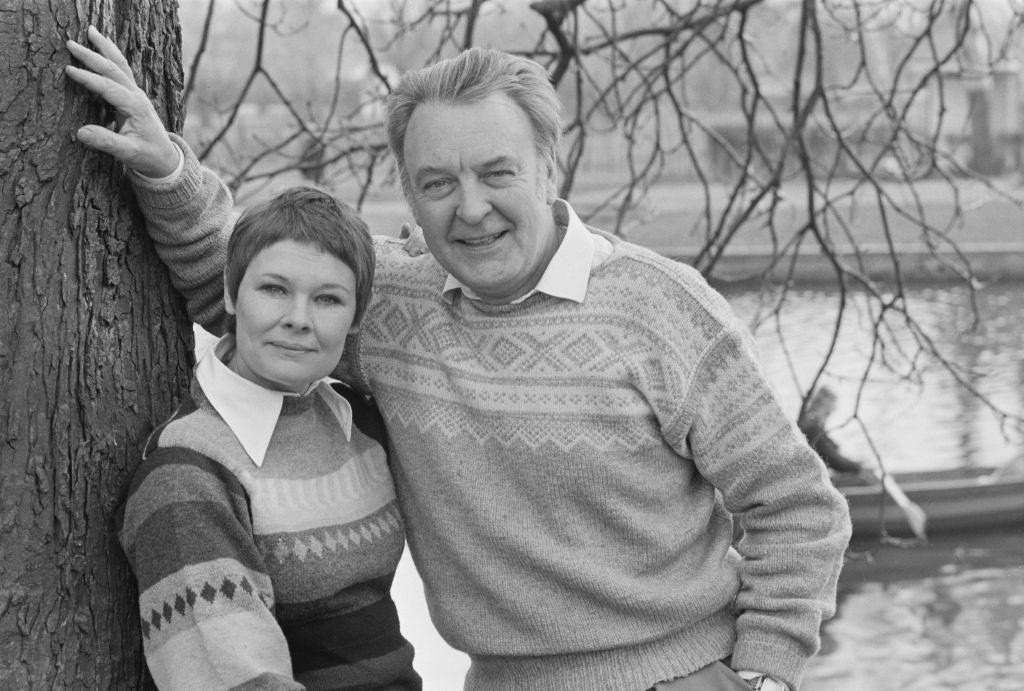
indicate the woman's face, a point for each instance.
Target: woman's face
{"x":294,"y":308}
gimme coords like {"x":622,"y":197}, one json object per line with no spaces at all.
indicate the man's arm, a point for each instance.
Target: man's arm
{"x":187,"y":207}
{"x":795,"y":523}
{"x":189,"y":218}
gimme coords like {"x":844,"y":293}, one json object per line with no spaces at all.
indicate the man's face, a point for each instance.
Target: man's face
{"x":482,"y":194}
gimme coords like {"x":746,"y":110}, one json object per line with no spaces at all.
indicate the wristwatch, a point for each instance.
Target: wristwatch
{"x":765,"y":682}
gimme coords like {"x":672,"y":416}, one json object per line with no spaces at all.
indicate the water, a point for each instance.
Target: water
{"x":947,"y":616}
{"x":913,"y":413}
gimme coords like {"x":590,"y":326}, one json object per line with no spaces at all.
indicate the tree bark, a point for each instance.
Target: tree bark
{"x":94,"y":347}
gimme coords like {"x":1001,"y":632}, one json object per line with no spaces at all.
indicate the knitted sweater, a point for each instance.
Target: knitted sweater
{"x":567,"y":470}
{"x":276,"y":576}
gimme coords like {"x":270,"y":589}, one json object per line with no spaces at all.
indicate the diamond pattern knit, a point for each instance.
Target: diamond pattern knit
{"x":224,"y":601}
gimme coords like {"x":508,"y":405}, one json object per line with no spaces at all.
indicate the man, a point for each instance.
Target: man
{"x":813,"y":423}
{"x":574,"y":418}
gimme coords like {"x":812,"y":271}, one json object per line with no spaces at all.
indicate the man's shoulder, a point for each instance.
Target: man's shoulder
{"x":395,"y":266}
{"x":644,"y":258}
{"x":649,"y":276}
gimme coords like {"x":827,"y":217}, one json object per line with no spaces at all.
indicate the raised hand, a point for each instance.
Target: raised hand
{"x":415,"y":243}
{"x":139,"y":140}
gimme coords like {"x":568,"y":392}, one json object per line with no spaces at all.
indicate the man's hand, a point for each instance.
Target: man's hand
{"x":139,"y":139}
{"x":415,"y":243}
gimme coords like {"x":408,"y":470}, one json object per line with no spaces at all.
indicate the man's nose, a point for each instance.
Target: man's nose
{"x":474,"y":202}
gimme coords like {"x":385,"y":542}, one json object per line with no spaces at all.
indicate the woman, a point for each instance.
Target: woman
{"x":262,"y":524}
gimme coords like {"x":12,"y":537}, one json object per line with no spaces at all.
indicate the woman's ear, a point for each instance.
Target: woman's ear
{"x":229,"y":304}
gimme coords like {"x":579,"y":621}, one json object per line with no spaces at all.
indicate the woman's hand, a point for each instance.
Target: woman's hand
{"x":139,"y":139}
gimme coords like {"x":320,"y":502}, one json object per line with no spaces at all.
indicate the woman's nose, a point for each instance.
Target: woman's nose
{"x":298,"y":316}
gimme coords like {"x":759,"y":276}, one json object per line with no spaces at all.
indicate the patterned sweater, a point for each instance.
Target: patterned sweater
{"x":567,"y":470}
{"x":270,"y":576}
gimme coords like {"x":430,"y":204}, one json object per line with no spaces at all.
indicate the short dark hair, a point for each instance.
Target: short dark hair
{"x":471,"y":76}
{"x":306,"y":215}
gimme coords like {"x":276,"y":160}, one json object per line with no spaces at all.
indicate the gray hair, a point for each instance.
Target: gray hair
{"x":472,"y":76}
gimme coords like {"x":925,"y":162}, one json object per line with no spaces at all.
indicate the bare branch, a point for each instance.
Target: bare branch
{"x":204,"y":36}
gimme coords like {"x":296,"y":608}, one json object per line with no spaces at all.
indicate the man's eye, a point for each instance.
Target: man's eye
{"x":435,"y":185}
{"x":500,"y":177}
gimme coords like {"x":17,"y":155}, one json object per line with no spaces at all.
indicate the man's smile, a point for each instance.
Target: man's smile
{"x":485,"y":241}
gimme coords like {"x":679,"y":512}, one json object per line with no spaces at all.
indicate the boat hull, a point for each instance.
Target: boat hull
{"x":962,"y":499}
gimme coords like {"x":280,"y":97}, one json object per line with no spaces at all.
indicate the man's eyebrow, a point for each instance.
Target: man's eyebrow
{"x":500,"y":160}
{"x":429,"y":171}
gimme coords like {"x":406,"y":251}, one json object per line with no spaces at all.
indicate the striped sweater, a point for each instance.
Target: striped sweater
{"x":567,"y":471}
{"x":275,"y":576}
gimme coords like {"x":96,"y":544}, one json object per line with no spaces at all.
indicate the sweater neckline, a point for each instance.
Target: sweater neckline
{"x":535,"y":299}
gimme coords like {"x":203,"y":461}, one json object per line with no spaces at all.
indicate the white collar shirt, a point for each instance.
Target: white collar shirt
{"x":250,"y":410}
{"x":568,"y":273}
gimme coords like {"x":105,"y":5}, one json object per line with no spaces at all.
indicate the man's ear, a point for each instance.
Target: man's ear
{"x":551,"y":183}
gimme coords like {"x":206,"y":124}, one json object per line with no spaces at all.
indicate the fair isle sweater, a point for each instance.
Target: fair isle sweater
{"x":567,"y":470}
{"x":274,"y":576}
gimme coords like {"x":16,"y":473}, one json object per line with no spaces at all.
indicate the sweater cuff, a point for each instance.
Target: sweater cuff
{"x":172,"y":191}
{"x":167,"y":179}
{"x":786,"y":663}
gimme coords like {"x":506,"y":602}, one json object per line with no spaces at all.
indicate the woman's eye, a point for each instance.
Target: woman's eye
{"x":329,"y":300}
{"x":272,"y":289}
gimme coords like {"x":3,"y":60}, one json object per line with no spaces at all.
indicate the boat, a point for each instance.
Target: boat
{"x":953,"y":500}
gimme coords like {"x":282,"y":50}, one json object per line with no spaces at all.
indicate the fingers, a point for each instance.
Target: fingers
{"x":102,"y":139}
{"x":108,"y":76}
{"x":111,"y":92}
{"x":110,"y":51}
{"x":415,"y":242}
{"x":139,"y":140}
{"x":108,"y":63}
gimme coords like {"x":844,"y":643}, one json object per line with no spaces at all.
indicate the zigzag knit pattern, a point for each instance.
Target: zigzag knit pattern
{"x":566,"y":464}
{"x":527,"y":372}
{"x":326,"y":542}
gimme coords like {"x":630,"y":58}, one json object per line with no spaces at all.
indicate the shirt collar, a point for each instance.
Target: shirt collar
{"x":568,"y":272}
{"x":251,"y":411}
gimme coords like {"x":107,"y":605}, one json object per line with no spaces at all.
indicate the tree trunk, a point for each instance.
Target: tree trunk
{"x":94,"y":347}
